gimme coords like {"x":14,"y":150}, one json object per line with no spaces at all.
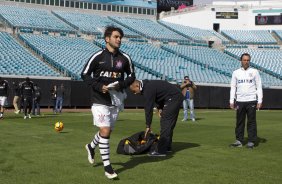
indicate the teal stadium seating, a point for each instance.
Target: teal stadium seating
{"x":68,"y":55}
{"x":149,"y":29}
{"x":250,"y":36}
{"x":16,"y":60}
{"x":195,"y":34}
{"x":36,"y":19}
{"x":90,"y":23}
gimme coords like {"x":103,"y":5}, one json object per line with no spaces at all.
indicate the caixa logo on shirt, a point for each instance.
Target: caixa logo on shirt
{"x":245,"y":81}
{"x":110,"y":74}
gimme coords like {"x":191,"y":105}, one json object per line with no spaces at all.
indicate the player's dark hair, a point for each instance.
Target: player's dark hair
{"x":110,"y":29}
{"x":245,"y":54}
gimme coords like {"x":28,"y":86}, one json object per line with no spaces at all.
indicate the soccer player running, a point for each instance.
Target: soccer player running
{"x":108,"y":67}
{"x":168,"y":98}
{"x":4,"y":89}
{"x":246,"y":90}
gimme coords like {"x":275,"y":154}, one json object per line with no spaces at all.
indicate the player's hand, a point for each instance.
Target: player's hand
{"x":105,"y":89}
{"x":259,"y":105}
{"x":148,"y":130}
{"x":160,"y":112}
{"x":231,"y":105}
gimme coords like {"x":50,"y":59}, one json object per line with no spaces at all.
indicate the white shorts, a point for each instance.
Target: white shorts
{"x":3,"y":101}
{"x":104,"y":116}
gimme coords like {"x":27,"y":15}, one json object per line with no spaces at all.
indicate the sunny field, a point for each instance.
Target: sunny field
{"x":31,"y":152}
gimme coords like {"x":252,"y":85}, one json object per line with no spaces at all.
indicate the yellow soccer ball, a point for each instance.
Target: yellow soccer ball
{"x":59,"y":126}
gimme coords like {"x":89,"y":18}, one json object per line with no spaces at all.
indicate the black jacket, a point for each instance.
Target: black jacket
{"x":27,"y":89}
{"x":157,"y":92}
{"x":106,"y":68}
{"x":4,"y":87}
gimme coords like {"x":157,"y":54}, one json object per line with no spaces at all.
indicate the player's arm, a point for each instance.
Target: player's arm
{"x":232,"y":91}
{"x":193,"y":85}
{"x":89,"y":68}
{"x":149,"y":106}
{"x":129,"y":70}
{"x":259,"y":90}
{"x":183,"y":85}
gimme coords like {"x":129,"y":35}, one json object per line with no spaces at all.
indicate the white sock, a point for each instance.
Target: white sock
{"x":104,"y":147}
{"x":95,"y":141}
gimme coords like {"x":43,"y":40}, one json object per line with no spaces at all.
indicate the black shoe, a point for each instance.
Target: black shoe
{"x":91,"y":153}
{"x":156,"y":154}
{"x":110,"y":173}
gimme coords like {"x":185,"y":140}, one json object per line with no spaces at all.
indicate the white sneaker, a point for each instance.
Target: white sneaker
{"x":17,"y":112}
{"x":184,"y":120}
{"x":111,"y":176}
{"x":193,"y":119}
{"x":29,"y":116}
{"x":91,"y":153}
{"x":24,"y":117}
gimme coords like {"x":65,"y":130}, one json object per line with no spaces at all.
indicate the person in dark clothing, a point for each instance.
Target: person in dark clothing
{"x":27,"y":90}
{"x":17,"y":94}
{"x":105,"y":74}
{"x":168,"y":98}
{"x":60,"y":98}
{"x":54,"y":97}
{"x":36,"y":100}
{"x":4,"y":91}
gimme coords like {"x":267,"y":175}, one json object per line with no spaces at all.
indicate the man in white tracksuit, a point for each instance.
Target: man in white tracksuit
{"x":246,"y":91}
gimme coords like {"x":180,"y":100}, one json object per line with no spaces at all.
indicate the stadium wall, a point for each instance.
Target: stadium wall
{"x":78,"y":95}
{"x":205,"y":17}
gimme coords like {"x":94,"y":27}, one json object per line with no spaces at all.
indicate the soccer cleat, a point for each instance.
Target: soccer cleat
{"x":156,"y":154}
{"x":236,"y":144}
{"x":193,"y":119}
{"x":110,"y":173}
{"x":184,"y":119}
{"x":29,"y":116}
{"x":24,"y":117}
{"x":250,"y":145}
{"x":91,"y":153}
{"x":111,"y":176}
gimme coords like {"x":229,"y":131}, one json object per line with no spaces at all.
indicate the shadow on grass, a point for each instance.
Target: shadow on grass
{"x":260,"y":140}
{"x":141,"y":159}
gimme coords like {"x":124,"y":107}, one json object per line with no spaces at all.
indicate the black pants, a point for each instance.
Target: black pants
{"x":27,"y":102}
{"x":246,"y":109}
{"x":168,"y":121}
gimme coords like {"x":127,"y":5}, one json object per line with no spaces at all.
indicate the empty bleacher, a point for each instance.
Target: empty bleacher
{"x":150,"y":29}
{"x":16,"y":60}
{"x":90,"y":23}
{"x":35,"y":19}
{"x":250,"y":36}
{"x":68,"y":55}
{"x":195,"y":34}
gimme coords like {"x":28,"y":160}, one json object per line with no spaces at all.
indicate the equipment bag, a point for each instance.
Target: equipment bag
{"x":135,"y":144}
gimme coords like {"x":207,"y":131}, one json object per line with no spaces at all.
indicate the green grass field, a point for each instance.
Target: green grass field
{"x":31,"y":152}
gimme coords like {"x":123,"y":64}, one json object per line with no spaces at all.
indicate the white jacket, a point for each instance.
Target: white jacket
{"x":246,"y":86}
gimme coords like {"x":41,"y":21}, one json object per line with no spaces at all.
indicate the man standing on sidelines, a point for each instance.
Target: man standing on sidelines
{"x":168,"y":98}
{"x":104,"y":73}
{"x":27,"y":90}
{"x":246,"y":90}
{"x":4,"y":89}
{"x":188,"y":90}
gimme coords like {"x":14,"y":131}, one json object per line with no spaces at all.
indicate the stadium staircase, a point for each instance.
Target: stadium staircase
{"x":279,"y":41}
